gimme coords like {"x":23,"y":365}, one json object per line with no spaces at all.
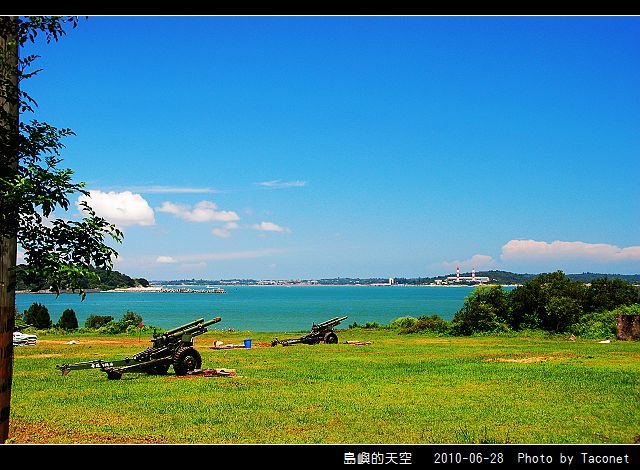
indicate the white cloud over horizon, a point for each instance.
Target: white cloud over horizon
{"x":203,"y":211}
{"x":166,"y":260}
{"x":477,"y":262}
{"x":269,"y":227}
{"x":534,"y":250}
{"x":562,"y":255}
{"x":121,"y":208}
{"x":279,"y":184}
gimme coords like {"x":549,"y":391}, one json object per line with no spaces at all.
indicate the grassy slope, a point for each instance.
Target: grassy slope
{"x":399,"y":389}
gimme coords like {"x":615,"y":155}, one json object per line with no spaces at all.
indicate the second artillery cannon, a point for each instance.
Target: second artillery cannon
{"x":171,"y":348}
{"x":320,"y":333}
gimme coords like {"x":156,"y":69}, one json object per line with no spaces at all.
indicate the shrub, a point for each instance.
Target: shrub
{"x":68,"y":321}
{"x":484,"y":311}
{"x":97,"y":321}
{"x":599,"y":325}
{"x":403,"y":323}
{"x":428,"y":324}
{"x":37,"y":315}
{"x":110,"y":328}
{"x":129,"y":320}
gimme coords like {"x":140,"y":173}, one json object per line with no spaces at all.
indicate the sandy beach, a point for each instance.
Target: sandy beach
{"x":136,"y":289}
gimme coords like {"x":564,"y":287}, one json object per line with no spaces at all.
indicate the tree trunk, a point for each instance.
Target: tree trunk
{"x":7,"y":322}
{"x":8,"y":240}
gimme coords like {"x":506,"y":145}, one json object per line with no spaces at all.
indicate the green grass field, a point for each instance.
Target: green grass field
{"x":400,"y":389}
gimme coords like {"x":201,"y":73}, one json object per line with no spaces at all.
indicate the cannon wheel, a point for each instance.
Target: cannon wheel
{"x":186,"y":359}
{"x":331,"y":338}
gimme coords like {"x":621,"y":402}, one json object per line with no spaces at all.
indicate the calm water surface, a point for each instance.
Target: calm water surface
{"x":262,"y":308}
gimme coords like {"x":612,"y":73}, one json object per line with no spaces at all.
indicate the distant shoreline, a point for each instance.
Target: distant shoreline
{"x":163,"y":289}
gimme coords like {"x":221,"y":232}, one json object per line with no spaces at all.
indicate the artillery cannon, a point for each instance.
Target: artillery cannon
{"x":171,"y":348}
{"x":321,"y":332}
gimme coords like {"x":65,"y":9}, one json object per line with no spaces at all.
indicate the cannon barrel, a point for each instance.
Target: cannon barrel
{"x":194,"y":328}
{"x":183,"y":327}
{"x":212,"y":321}
{"x":199,"y":328}
{"x":198,"y":325}
{"x":332,"y":322}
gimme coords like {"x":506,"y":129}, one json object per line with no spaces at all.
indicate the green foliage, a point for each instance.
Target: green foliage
{"x":598,"y":325}
{"x":102,"y":279}
{"x":628,"y":309}
{"x":550,"y":301}
{"x":370,"y":325}
{"x":130,"y":320}
{"x":60,"y":253}
{"x":37,"y":315}
{"x":484,"y":310}
{"x":603,"y":324}
{"x":403,"y":323}
{"x":129,"y":323}
{"x":68,"y":320}
{"x":561,"y":313}
{"x":97,"y":321}
{"x":607,"y":294}
{"x":427,"y":324}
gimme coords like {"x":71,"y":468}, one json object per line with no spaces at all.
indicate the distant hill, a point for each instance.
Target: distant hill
{"x":588,"y":277}
{"x":108,"y":280}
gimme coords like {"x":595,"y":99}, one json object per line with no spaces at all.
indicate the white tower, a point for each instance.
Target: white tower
{"x":458,"y":274}
{"x":473,"y":275}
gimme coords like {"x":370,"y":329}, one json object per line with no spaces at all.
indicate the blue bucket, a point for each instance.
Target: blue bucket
{"x":247,"y":343}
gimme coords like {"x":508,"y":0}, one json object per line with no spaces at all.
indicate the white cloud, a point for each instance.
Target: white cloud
{"x":204,"y":211}
{"x":166,"y":259}
{"x":221,"y":232}
{"x":120,"y":208}
{"x":532,"y":250}
{"x":269,"y":227}
{"x":225,"y":230}
{"x":477,"y":262}
{"x":278,"y":184}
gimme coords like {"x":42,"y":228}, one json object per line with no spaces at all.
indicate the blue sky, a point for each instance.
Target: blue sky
{"x":303,"y":147}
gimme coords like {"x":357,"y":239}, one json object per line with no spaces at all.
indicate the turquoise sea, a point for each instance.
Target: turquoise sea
{"x":262,"y":308}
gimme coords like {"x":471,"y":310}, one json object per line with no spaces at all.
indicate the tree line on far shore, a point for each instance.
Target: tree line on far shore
{"x":101,"y":279}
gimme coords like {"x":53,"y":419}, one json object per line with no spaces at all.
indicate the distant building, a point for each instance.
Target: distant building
{"x":473,"y":279}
